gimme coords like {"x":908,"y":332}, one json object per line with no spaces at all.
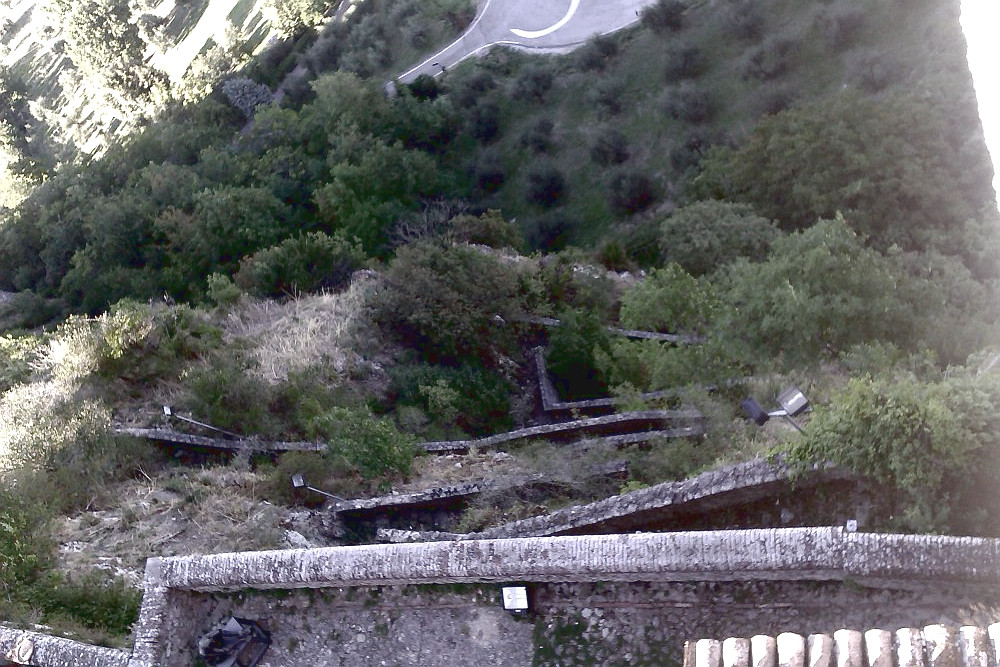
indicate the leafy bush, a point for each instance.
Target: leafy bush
{"x":301,"y":264}
{"x":820,"y":291}
{"x":630,"y":191}
{"x":926,"y":440}
{"x":534,"y":82}
{"x":684,"y":61}
{"x":664,"y":16}
{"x":96,"y":601}
{"x":538,"y":136}
{"x":770,"y":60}
{"x":470,"y":397}
{"x":443,"y":301}
{"x":225,"y":394}
{"x":372,"y":445}
{"x":690,"y":103}
{"x":490,"y":229}
{"x":744,"y":19}
{"x":597,"y":52}
{"x":571,"y":354}
{"x":609,"y":147}
{"x":24,"y":551}
{"x":670,"y":300}
{"x":607,"y":95}
{"x":483,"y":120}
{"x":546,"y":185}
{"x":840,"y":26}
{"x":705,"y":236}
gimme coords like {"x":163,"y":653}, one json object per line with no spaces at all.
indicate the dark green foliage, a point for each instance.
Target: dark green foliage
{"x":95,"y":601}
{"x":684,"y":61}
{"x":469,"y":396}
{"x":706,"y":236}
{"x":533,"y":82}
{"x":490,"y":229}
{"x":571,"y":353}
{"x":24,"y":549}
{"x":630,"y":191}
{"x":670,"y":300}
{"x":470,"y":86}
{"x":597,"y":52}
{"x":820,"y":291}
{"x":326,"y":471}
{"x":443,"y":301}
{"x":301,"y":264}
{"x":545,"y":185}
{"x":884,"y":163}
{"x":772,"y":59}
{"x":607,"y":96}
{"x":690,"y":103}
{"x":489,"y":171}
{"x":840,"y":26}
{"x":227,"y":394}
{"x":744,"y":19}
{"x":609,"y":147}
{"x":483,"y":120}
{"x":425,"y":87}
{"x":874,"y":72}
{"x":664,"y":16}
{"x":550,"y":232}
{"x":538,"y":136}
{"x":613,"y":256}
{"x":930,"y":441}
{"x":372,"y":445}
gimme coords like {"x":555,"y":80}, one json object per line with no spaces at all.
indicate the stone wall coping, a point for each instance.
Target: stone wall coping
{"x":825,"y":553}
{"x":36,"y":648}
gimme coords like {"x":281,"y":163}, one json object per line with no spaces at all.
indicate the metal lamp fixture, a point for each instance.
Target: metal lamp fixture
{"x":792,"y":401}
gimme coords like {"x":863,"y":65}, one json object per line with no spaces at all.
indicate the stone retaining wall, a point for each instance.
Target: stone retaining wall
{"x":933,"y":646}
{"x":665,"y":505}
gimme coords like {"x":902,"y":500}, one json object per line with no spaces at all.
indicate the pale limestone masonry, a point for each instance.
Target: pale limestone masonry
{"x":35,"y":648}
{"x":931,"y":646}
{"x":725,"y":487}
{"x":168,"y":622}
{"x":249,"y":445}
{"x":648,"y":424}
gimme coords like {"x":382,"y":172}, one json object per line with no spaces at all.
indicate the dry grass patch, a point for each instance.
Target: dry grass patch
{"x":294,"y":335}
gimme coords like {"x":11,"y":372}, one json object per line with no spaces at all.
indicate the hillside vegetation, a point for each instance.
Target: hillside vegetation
{"x":800,"y":190}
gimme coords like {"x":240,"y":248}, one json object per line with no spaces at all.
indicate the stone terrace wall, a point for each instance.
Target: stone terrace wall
{"x":33,"y":648}
{"x":932,"y":646}
{"x":658,"y":507}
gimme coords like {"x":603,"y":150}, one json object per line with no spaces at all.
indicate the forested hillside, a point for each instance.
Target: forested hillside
{"x":799,"y":190}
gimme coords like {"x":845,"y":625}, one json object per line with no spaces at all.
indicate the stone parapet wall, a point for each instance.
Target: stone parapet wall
{"x":931,"y":646}
{"x":34,"y":648}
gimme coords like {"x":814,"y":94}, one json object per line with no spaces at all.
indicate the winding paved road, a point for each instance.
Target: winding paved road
{"x":546,"y":25}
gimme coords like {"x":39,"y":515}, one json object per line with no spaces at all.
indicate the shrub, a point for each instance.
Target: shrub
{"x":745,"y":19}
{"x":770,"y":60}
{"x":664,"y":16}
{"x":321,"y":470}
{"x":630,"y":191}
{"x":470,"y":397}
{"x":533,"y":82}
{"x":609,"y":147}
{"x":301,"y":264}
{"x":684,"y":61}
{"x":425,"y":87}
{"x":443,"y":302}
{"x":550,"y":232}
{"x":571,"y":354}
{"x":489,"y":171}
{"x":490,"y":229}
{"x":690,"y":103}
{"x":705,"y":236}
{"x":546,"y":185}
{"x":483,"y":120}
{"x":225,"y":394}
{"x":597,"y":52}
{"x":23,"y":550}
{"x":607,"y":96}
{"x":928,"y":441}
{"x":670,"y":300}
{"x":840,"y":26}
{"x":538,"y":136}
{"x":372,"y":445}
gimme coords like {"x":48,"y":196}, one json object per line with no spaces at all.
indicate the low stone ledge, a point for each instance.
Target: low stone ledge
{"x":251,"y":445}
{"x":41,"y":650}
{"x":643,"y":420}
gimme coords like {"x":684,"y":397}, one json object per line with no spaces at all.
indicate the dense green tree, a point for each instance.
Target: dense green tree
{"x":883,"y":162}
{"x":705,"y":236}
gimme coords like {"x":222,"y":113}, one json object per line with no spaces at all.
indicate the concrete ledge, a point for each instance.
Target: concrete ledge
{"x":35,"y":648}
{"x":251,"y":445}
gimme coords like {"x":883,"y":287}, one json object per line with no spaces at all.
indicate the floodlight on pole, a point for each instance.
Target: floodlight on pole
{"x":169,"y":413}
{"x":299,"y":482}
{"x":792,"y":401}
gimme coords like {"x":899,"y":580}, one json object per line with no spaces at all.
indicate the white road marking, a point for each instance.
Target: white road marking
{"x":535,"y":34}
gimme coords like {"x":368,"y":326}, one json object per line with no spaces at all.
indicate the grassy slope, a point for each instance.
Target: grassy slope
{"x":918,"y":47}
